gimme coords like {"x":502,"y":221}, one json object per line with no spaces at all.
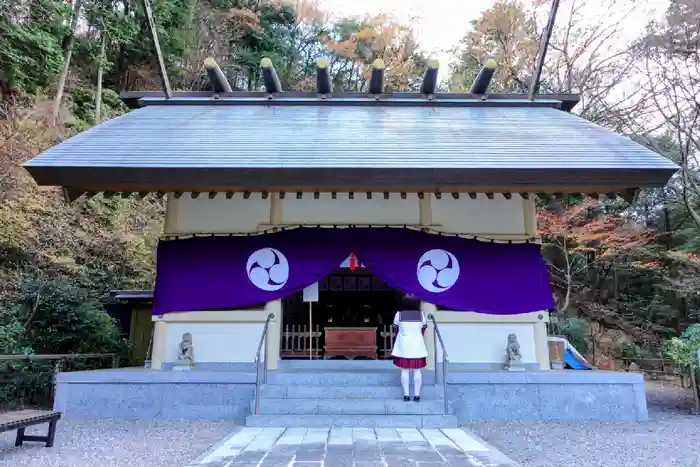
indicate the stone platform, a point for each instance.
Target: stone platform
{"x":349,"y":394}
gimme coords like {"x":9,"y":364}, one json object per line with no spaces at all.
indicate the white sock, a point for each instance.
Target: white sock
{"x":405,"y":382}
{"x":417,"y":382}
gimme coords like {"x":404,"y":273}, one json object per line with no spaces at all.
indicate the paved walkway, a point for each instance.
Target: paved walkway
{"x":356,"y":447}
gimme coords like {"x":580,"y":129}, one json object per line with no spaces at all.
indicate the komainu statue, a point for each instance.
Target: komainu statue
{"x":513,"y":356}
{"x":186,"y":355}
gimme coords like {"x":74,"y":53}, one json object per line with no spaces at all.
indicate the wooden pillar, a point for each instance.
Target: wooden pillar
{"x":170,"y":224}
{"x":274,"y":330}
{"x":275,"y":209}
{"x":425,"y":219}
{"x":530,"y":216}
{"x":273,"y":333}
{"x":425,"y":211}
{"x":542,"y":346}
{"x":429,"y":308}
{"x":159,"y":354}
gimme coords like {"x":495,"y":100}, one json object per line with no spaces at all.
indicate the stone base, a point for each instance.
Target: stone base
{"x":182,"y":367}
{"x":137,"y":393}
{"x":515,"y":368}
{"x":146,"y":394}
{"x":548,"y":395}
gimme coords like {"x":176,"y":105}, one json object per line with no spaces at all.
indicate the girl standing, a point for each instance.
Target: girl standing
{"x":409,"y":352}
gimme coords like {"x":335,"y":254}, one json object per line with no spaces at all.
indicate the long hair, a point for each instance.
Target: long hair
{"x":409,"y":302}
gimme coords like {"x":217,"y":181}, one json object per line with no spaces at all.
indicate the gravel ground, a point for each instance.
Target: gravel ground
{"x":670,"y":438}
{"x":115,"y":444}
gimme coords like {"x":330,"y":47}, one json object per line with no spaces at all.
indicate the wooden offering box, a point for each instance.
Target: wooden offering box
{"x":350,"y":342}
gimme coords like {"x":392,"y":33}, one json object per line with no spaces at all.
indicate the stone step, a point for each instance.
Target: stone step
{"x":339,"y":378}
{"x":331,"y":365}
{"x":349,"y":407}
{"x":353,"y":421}
{"x":277,"y":391}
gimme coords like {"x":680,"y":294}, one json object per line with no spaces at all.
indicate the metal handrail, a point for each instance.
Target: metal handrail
{"x":258,"y":379}
{"x":437,"y":337}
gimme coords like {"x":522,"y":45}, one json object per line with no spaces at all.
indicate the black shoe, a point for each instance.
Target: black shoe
{"x":416,"y":398}
{"x":406,"y":398}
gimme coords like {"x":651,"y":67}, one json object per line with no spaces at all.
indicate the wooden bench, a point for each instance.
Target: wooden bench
{"x":22,"y":419}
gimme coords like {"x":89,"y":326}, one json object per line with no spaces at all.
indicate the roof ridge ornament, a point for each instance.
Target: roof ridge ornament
{"x":483,"y":78}
{"x":324,"y":85}
{"x":270,"y":78}
{"x":429,"y":83}
{"x":217,"y":79}
{"x":376,"y":81}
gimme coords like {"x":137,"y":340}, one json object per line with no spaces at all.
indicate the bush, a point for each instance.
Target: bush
{"x":683,"y":350}
{"x":54,"y":317}
{"x":576,"y":331}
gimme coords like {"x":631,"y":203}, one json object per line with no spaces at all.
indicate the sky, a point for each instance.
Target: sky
{"x":440,"y":24}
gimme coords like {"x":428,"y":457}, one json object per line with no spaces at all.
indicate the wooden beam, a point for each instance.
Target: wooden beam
{"x":246,"y":194}
{"x":212,"y":194}
{"x":473,"y":195}
{"x":194,"y":194}
{"x":455,"y":195}
{"x":489,"y":195}
{"x":229,"y":194}
{"x":386,"y":195}
{"x":438,"y":195}
{"x":369,"y":195}
{"x":299,"y":194}
{"x":162,"y":70}
{"x":264,"y":195}
{"x":507,"y":195}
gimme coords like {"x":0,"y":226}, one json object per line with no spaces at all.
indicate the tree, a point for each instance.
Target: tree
{"x":506,"y":32}
{"x":355,"y":44}
{"x":31,"y":54}
{"x":67,"y":53}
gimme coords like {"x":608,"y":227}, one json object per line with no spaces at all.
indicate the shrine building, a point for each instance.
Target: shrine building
{"x":295,"y":221}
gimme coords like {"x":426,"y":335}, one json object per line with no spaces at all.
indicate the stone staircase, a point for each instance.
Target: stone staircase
{"x":346,"y":394}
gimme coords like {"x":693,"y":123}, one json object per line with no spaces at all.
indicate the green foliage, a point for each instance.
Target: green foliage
{"x":576,"y":331}
{"x":31,"y":54}
{"x":63,"y":318}
{"x":683,"y":350}
{"x":55,"y":317}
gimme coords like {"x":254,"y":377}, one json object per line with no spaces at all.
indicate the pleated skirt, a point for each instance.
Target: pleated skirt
{"x":410,"y":363}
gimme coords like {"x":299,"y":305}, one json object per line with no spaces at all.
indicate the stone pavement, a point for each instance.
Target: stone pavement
{"x":352,"y":447}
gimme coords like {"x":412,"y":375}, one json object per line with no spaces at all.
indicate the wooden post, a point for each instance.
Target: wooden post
{"x":56,"y":371}
{"x":695,"y":388}
{"x":162,"y":70}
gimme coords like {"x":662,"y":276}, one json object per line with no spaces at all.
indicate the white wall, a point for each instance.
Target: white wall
{"x":498,"y":216}
{"x":218,"y":336}
{"x":486,"y":342}
{"x":218,"y":215}
{"x":475,"y":338}
{"x":480,"y":215}
{"x":216,"y":342}
{"x":344,"y":210}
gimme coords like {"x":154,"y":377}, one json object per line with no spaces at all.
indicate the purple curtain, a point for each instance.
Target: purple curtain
{"x":236,"y":272}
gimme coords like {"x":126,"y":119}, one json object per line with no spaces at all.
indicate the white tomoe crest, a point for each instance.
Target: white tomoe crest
{"x":437,"y":270}
{"x":268,"y":269}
